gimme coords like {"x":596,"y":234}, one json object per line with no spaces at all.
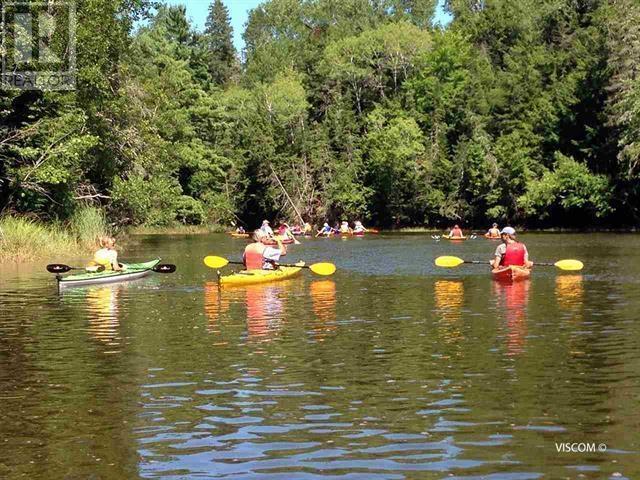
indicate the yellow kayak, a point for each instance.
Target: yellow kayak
{"x":250,"y":277}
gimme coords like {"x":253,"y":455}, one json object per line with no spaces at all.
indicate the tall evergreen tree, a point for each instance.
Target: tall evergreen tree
{"x":222,"y":58}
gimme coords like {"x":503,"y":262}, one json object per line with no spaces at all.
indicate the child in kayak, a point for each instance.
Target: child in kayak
{"x":494,"y":232}
{"x":510,"y":252}
{"x":107,"y":256}
{"x":258,"y":256}
{"x":456,"y":232}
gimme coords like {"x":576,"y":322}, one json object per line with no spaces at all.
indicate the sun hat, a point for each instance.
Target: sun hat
{"x":508,"y":231}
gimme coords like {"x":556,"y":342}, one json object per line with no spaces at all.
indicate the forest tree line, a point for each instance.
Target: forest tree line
{"x":522,"y":111}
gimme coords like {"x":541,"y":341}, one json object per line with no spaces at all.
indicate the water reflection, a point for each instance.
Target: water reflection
{"x":569,"y":291}
{"x":215,"y":304}
{"x":449,"y":298}
{"x":323,"y":297}
{"x":512,"y":300}
{"x":102,"y":305}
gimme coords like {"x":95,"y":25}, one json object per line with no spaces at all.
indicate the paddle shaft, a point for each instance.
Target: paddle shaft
{"x":280,"y":265}
{"x":477,"y":262}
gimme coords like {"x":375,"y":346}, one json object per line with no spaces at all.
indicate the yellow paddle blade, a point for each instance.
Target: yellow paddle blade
{"x":216,"y":262}
{"x":449,"y":262}
{"x":571,"y":265}
{"x":325,"y":269}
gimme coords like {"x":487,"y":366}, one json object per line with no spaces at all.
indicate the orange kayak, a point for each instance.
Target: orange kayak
{"x":511,"y":274}
{"x":455,"y":239}
{"x":239,"y":235}
{"x":285,"y":241}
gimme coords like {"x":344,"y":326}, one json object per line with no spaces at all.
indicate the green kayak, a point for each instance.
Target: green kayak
{"x":132,"y":271}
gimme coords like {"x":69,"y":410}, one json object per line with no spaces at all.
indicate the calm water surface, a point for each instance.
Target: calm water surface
{"x":391,"y":369}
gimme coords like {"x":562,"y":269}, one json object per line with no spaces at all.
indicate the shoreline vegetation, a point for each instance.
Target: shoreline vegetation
{"x":24,"y":239}
{"x":355,"y":109}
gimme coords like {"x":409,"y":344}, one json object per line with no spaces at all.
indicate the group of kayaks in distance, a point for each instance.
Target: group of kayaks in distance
{"x":261,"y":258}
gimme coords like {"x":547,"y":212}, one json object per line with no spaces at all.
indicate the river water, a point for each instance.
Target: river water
{"x":390,"y":369}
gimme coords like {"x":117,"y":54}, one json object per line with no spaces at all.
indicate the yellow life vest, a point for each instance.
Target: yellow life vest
{"x":103,"y":257}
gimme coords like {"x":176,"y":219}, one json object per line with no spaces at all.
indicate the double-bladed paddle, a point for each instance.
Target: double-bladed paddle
{"x":452,"y":262}
{"x":60,"y":268}
{"x":323,"y":268}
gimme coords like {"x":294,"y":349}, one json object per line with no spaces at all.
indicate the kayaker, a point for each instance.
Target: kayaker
{"x":358,"y":227}
{"x":285,"y":232}
{"x":326,"y":230}
{"x":258,"y":256}
{"x":266,"y":229}
{"x":240,"y":230}
{"x":494,"y":232}
{"x":308,"y":229}
{"x":345,"y":229}
{"x":456,"y":232}
{"x":107,"y":256}
{"x":511,"y":252}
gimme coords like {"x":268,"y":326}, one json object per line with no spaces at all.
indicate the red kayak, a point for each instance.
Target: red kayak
{"x":358,"y":234}
{"x":511,"y":274}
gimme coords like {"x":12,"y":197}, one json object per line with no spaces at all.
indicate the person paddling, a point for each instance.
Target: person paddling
{"x":511,"y":252}
{"x":358,"y":227}
{"x":345,"y":229}
{"x":107,"y":256}
{"x":494,"y":232}
{"x":266,"y":229}
{"x":326,"y":230}
{"x":308,"y":229}
{"x":240,"y":230}
{"x":258,"y":256}
{"x":456,"y":232}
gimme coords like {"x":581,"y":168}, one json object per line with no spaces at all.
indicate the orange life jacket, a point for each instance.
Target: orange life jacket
{"x":253,"y":256}
{"x":514,"y":255}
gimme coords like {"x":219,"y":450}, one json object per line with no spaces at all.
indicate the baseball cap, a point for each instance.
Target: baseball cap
{"x":508,"y":231}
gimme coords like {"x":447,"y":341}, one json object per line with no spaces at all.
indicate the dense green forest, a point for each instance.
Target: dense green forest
{"x":525,"y":111}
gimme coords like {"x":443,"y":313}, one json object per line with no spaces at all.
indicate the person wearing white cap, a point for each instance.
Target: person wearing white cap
{"x":326,"y":230}
{"x":510,"y":252}
{"x":266,"y":229}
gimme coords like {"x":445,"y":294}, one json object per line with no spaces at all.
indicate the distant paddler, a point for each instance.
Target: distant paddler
{"x":240,"y":230}
{"x":511,"y":252}
{"x":308,"y":229}
{"x":266,"y":229}
{"x":284,"y":232}
{"x":358,"y":228}
{"x":107,"y":255}
{"x":456,"y":232}
{"x":345,"y":229}
{"x":494,"y":232}
{"x":258,"y":256}
{"x":325,"y":231}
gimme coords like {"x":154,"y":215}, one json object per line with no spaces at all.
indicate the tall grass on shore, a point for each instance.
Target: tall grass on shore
{"x":24,"y":239}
